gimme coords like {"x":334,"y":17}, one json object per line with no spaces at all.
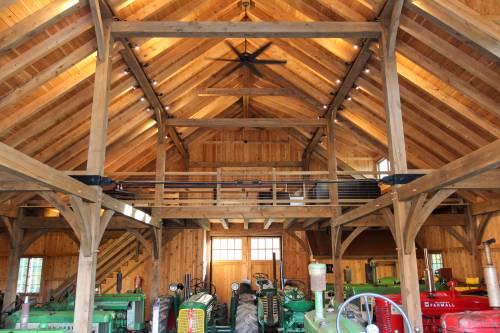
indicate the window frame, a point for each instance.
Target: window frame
{"x":26,"y":282}
{"x":213,"y":249}
{"x":279,"y":252}
{"x":431,"y":254}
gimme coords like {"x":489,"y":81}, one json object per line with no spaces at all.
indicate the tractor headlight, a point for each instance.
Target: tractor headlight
{"x":235,"y":286}
{"x":173,"y":287}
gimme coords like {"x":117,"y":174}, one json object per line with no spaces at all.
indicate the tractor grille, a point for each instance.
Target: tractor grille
{"x":270,"y":309}
{"x":191,"y":321}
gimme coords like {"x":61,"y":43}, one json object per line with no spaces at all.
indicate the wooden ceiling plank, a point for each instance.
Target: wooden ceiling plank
{"x":39,"y":103}
{"x":61,"y":37}
{"x":246,"y":29}
{"x":37,"y":22}
{"x":245,"y":122}
{"x":49,"y":73}
{"x":451,"y":52}
{"x":454,"y":18}
{"x":449,"y":78}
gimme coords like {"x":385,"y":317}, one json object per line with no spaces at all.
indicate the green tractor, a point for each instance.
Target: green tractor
{"x":199,"y":312}
{"x":113,"y":313}
{"x":294,"y":306}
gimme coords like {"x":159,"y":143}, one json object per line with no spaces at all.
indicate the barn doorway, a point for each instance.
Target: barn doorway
{"x":234,"y":259}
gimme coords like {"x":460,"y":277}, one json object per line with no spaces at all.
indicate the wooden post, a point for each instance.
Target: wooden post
{"x":219,"y":187}
{"x":275,"y":187}
{"x":89,"y":213}
{"x":397,"y":156}
{"x":15,"y":236}
{"x":336,"y":232}
{"x":472,"y":231}
{"x":157,"y":244}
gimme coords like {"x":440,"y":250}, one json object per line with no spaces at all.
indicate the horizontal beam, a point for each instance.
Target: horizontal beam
{"x":59,"y":223}
{"x":486,"y":180}
{"x":248,"y":164}
{"x":245,"y":122}
{"x":245,"y":212}
{"x":177,"y":29}
{"x":244,"y":92}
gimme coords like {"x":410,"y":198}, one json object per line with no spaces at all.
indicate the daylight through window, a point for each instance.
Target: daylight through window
{"x":262,"y":248}
{"x":30,"y":275}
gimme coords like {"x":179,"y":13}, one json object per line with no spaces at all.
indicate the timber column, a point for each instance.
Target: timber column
{"x":336,"y":231}
{"x":89,"y":213}
{"x":397,"y":155}
{"x":15,"y":239}
{"x":157,"y":232}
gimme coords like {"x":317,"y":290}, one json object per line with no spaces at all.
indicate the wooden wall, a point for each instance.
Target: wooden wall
{"x":61,"y":260}
{"x":454,"y":255}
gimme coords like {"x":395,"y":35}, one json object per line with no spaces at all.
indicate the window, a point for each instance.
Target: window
{"x":436,"y":262}
{"x":30,"y":275}
{"x":227,"y":249}
{"x":262,"y":248}
{"x":383,"y":166}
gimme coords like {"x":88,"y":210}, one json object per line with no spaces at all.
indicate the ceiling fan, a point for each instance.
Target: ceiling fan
{"x":250,"y":59}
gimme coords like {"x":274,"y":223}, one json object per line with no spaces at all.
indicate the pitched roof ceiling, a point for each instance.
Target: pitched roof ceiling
{"x":449,"y":88}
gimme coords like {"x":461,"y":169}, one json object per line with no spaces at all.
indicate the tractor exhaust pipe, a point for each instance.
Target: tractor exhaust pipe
{"x":491,"y":276}
{"x":119,"y":282}
{"x":25,"y":313}
{"x":430,"y":287}
{"x":187,"y":286}
{"x":318,"y":285}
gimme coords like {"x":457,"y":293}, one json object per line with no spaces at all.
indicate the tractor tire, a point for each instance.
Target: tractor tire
{"x":246,"y":318}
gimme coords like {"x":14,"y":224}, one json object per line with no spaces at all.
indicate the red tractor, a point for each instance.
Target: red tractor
{"x":449,"y":311}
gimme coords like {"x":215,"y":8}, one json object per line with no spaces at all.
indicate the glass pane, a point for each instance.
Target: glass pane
{"x":253,"y":243}
{"x":254,"y":254}
{"x":262,"y":254}
{"x":269,"y":255}
{"x":237,"y":243}
{"x":237,"y":255}
{"x":262,"y":243}
{"x":276,"y":243}
{"x":216,"y":243}
{"x":269,"y":243}
{"x":230,"y":243}
{"x":223,"y":244}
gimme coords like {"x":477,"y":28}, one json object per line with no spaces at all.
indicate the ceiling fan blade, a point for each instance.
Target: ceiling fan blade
{"x":233,"y":48}
{"x":269,"y":62}
{"x":223,"y":59}
{"x":253,"y":69}
{"x":261,"y":49}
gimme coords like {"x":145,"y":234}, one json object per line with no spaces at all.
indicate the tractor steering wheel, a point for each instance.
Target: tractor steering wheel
{"x":372,"y":328}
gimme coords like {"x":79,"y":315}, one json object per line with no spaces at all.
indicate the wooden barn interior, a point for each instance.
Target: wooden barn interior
{"x":153,"y":139}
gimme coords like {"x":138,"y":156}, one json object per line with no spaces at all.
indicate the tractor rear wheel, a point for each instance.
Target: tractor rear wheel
{"x":246,"y":317}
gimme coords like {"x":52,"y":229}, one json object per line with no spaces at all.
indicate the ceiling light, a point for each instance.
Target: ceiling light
{"x":367,"y":70}
{"x":356,"y":46}
{"x":136,"y":47}
{"x":167,"y":107}
{"x":155,"y":82}
{"x":142,"y":99}
{"x":357,"y":87}
{"x":336,"y":121}
{"x":126,"y":71}
{"x":325,"y":106}
{"x":338,"y":81}
{"x":349,"y":98}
